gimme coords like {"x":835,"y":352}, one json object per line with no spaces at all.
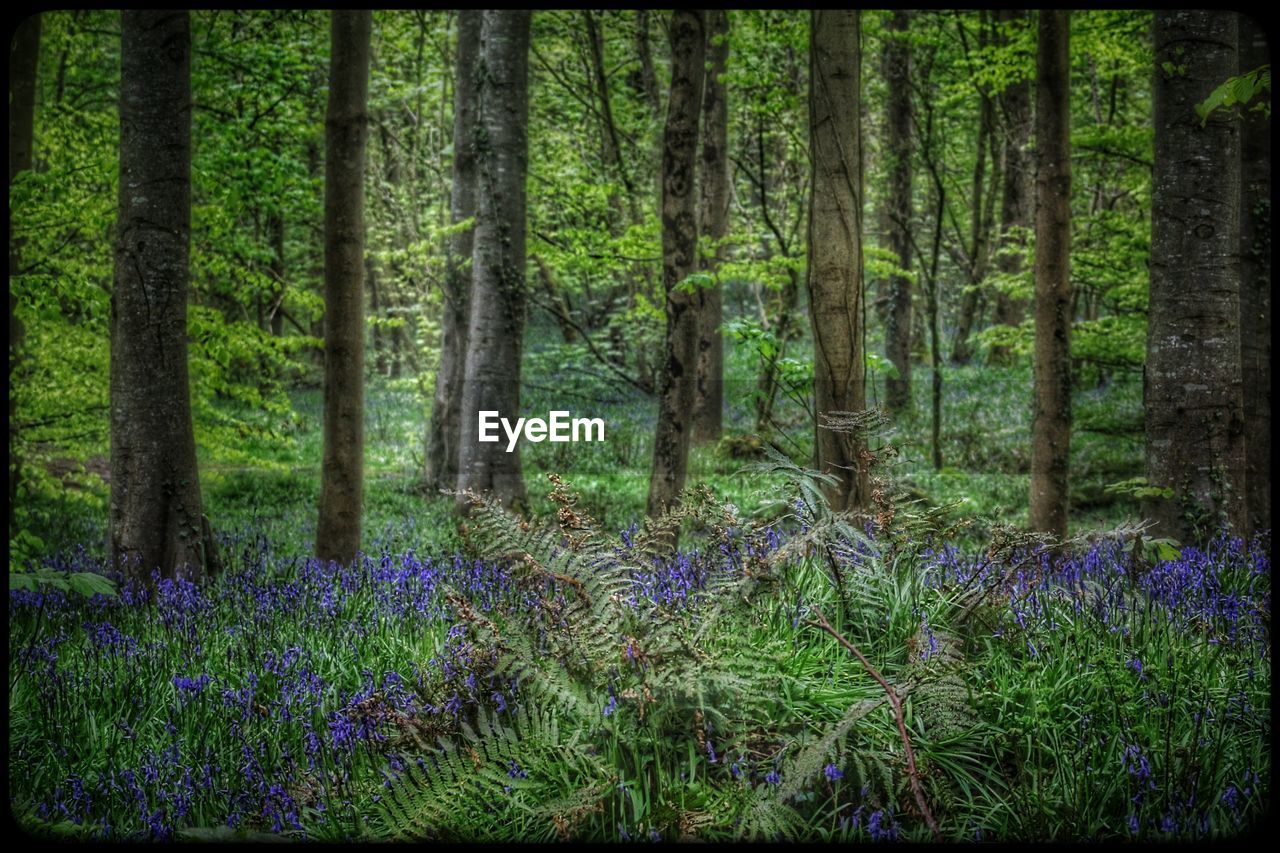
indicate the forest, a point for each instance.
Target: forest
{"x":639,"y":425}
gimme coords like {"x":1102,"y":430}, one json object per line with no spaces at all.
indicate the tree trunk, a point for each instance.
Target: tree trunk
{"x":708,"y":408}
{"x":496,"y":328}
{"x":1193,"y":396}
{"x":445,"y":434}
{"x":648,"y":78}
{"x":557,"y":302}
{"x":156,"y":518}
{"x":1051,"y":419}
{"x":24,"y":57}
{"x":897,"y":333}
{"x":1255,"y":286}
{"x":1015,"y":102}
{"x":346,"y":132}
{"x":834,"y":278}
{"x":961,"y":351}
{"x":275,"y":229}
{"x":377,"y":312}
{"x":679,"y":260}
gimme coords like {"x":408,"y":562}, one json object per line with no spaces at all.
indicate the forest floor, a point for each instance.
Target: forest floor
{"x":1120,"y":690}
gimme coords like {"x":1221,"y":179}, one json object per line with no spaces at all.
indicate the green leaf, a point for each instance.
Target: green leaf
{"x":22,"y":580}
{"x":90,"y":584}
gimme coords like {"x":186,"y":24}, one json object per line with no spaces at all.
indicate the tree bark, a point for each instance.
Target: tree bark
{"x":1192,"y":393}
{"x":1255,"y":286}
{"x":684,"y":307}
{"x":496,"y":328}
{"x":708,"y":407}
{"x":834,"y":278}
{"x":346,"y":133}
{"x":1051,"y":420}
{"x":445,"y":434}
{"x":897,"y":333}
{"x":156,"y":518}
{"x":24,"y":58}
{"x":1015,"y":103}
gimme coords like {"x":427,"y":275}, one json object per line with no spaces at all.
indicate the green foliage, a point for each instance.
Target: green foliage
{"x":1239,"y":91}
{"x":87,"y":584}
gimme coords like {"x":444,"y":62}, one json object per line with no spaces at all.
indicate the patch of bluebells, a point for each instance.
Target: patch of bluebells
{"x":1221,"y":591}
{"x":291,"y":735}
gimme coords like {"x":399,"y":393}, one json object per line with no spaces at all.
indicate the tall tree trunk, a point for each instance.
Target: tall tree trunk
{"x":834,"y":279}
{"x":445,"y":434}
{"x":156,"y":518}
{"x":1192,"y":392}
{"x":24,"y":57}
{"x":1255,"y":286}
{"x":1051,"y":421}
{"x":708,"y":408}
{"x":1015,"y":102}
{"x":496,"y":329}
{"x":346,"y":132}
{"x":679,"y":260}
{"x":897,"y":333}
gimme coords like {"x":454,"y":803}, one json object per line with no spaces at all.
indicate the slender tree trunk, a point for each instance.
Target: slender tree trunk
{"x":897,"y":333}
{"x":557,"y":301}
{"x":623,"y":205}
{"x":834,"y":279}
{"x":496,"y":329}
{"x":961,"y":350}
{"x":1255,"y":286}
{"x":1051,"y":422}
{"x":1015,"y":102}
{"x":648,"y":78}
{"x":1193,"y":398}
{"x":275,"y":229}
{"x":444,"y":437}
{"x":377,"y":311}
{"x":346,"y":132}
{"x":156,"y":518}
{"x":679,"y":260}
{"x":24,"y":58}
{"x":708,"y":410}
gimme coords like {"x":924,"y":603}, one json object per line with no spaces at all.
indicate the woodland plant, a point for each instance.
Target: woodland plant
{"x":768,"y":681}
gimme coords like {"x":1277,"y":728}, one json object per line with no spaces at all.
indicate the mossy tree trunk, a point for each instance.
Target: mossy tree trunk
{"x":684,"y":306}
